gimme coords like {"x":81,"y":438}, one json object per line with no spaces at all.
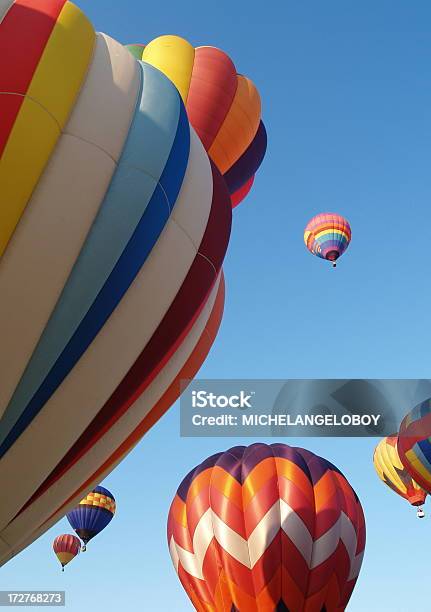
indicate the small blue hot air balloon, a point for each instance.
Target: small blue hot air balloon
{"x":93,"y":514}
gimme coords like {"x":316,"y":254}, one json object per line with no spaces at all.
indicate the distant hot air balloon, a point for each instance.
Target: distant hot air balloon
{"x":327,"y":235}
{"x":114,"y":224}
{"x":66,"y":547}
{"x":392,"y":472}
{"x":223,"y":107}
{"x":266,"y":527}
{"x":414,"y":444}
{"x":93,"y":514}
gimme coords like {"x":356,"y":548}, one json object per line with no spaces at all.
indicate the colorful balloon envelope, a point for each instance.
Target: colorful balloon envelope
{"x":391,"y":471}
{"x":223,"y":107}
{"x":93,"y":514}
{"x":66,"y":547}
{"x":266,"y":527}
{"x":327,"y":235}
{"x":414,"y":445}
{"x":114,"y":225}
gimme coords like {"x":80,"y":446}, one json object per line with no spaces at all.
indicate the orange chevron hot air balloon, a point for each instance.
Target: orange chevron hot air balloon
{"x":223,"y":106}
{"x":266,"y":528}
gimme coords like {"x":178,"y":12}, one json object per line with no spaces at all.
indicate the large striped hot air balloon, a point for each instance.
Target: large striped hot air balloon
{"x":66,"y":547}
{"x":391,"y":471}
{"x":92,"y":514}
{"x":327,"y":235}
{"x":414,"y":444}
{"x":114,"y":224}
{"x":223,"y":107}
{"x":266,"y":528}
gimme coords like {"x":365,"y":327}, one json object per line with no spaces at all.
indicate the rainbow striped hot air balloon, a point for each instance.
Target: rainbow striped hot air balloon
{"x":327,"y":235}
{"x":223,"y":107}
{"x":66,"y":547}
{"x":114,"y":224}
{"x":391,"y":471}
{"x":266,"y":528}
{"x":414,"y":444}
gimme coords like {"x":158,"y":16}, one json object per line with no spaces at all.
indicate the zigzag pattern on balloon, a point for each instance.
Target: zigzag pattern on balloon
{"x":259,"y":527}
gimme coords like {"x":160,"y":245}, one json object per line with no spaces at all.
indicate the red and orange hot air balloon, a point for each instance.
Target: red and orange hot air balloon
{"x":66,"y":547}
{"x":223,"y":106}
{"x":266,"y":527}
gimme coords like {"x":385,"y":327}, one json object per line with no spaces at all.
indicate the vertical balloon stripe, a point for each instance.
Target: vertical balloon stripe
{"x":18,"y":71}
{"x":171,"y":331}
{"x":66,"y":200}
{"x":125,"y":271}
{"x":249,"y":162}
{"x":189,"y":369}
{"x":239,"y":127}
{"x":212,"y":91}
{"x":43,"y":113}
{"x":94,"y":257}
{"x":174,"y":56}
{"x":180,"y":316}
{"x":120,"y":342}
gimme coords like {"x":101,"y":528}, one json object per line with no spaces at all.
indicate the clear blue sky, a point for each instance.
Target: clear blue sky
{"x":346,"y":93}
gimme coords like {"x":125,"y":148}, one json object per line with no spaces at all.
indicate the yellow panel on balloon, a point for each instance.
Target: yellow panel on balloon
{"x":173,"y":56}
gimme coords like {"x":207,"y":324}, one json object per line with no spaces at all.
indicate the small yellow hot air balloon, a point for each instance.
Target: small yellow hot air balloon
{"x":392,"y":472}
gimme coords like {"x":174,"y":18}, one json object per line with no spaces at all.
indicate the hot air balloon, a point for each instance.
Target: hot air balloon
{"x":93,"y":514}
{"x":392,"y":472}
{"x":66,"y":547}
{"x":223,"y":107}
{"x":114,"y":225}
{"x":266,"y":527}
{"x":328,"y":235}
{"x":414,"y":445}
{"x":187,"y":372}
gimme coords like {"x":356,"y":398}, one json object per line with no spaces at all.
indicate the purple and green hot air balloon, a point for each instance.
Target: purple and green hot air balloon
{"x":93,"y":514}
